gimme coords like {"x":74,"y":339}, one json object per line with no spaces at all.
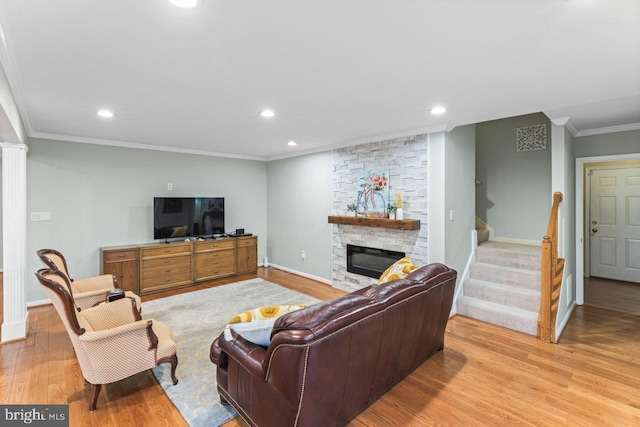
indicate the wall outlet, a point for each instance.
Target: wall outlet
{"x":169,"y":186}
{"x":303,"y":255}
{"x":40,"y":216}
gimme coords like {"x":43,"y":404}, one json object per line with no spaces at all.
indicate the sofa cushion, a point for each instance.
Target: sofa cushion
{"x":398,"y":270}
{"x":255,"y":325}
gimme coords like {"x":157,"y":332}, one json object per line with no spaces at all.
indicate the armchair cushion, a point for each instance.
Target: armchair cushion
{"x":110,"y":315}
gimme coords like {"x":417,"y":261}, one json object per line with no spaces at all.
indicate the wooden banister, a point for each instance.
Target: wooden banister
{"x":552,"y":269}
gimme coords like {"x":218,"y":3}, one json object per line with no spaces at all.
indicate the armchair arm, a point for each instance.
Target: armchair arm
{"x":111,"y":314}
{"x":103,"y":282}
{"x":249,"y":355}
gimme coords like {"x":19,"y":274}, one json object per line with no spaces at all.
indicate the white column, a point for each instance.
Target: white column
{"x":14,"y":243}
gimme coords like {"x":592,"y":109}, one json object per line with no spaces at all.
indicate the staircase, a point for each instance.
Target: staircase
{"x":504,"y":286}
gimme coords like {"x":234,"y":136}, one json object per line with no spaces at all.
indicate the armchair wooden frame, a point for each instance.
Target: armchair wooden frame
{"x":111,"y":340}
{"x":86,"y":292}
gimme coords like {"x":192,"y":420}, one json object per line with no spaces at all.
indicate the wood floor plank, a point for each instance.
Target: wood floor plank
{"x":486,"y":375}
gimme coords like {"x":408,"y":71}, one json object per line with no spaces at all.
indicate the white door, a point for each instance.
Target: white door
{"x":614,"y":226}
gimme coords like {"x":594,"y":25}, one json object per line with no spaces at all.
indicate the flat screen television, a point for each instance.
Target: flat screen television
{"x":175,"y":217}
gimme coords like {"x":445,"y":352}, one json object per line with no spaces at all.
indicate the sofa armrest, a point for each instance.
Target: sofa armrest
{"x":249,"y":355}
{"x":217,"y":356}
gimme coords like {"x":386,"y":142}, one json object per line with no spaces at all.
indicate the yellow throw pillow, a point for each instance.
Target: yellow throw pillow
{"x":397,"y":270}
{"x":255,"y":325}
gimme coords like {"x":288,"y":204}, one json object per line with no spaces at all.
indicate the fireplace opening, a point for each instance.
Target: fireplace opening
{"x":371,"y":262}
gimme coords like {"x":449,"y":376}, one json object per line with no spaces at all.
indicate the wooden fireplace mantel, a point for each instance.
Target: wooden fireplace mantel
{"x":397,"y":224}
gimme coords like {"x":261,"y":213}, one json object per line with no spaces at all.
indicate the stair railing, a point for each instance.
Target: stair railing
{"x":551,"y":280}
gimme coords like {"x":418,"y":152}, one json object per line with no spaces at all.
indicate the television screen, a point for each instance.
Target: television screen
{"x":209,"y":216}
{"x":175,"y":217}
{"x":172,"y":217}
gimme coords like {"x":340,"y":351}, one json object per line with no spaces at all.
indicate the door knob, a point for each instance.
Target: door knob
{"x":594,"y":230}
{"x":594,"y":222}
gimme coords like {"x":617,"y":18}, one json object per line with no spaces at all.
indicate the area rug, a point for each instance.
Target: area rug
{"x":196,"y":319}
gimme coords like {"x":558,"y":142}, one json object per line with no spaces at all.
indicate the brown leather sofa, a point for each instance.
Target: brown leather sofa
{"x":328,"y":362}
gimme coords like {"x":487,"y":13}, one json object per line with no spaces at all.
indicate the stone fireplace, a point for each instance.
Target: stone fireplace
{"x":406,"y":160}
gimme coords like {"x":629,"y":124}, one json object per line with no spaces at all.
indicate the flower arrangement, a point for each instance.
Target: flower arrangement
{"x":399,"y":200}
{"x":378,"y":182}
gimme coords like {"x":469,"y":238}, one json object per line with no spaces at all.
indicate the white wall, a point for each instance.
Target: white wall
{"x":606,"y":144}
{"x":460,"y":198}
{"x":513,"y":198}
{"x":298,"y":205}
{"x":563,"y":180}
{"x":103,"y":196}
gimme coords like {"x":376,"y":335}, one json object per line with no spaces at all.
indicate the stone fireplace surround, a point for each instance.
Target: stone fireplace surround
{"x":406,"y":160}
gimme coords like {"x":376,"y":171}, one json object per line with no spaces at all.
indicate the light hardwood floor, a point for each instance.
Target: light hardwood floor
{"x":612,"y":294}
{"x":486,"y":375}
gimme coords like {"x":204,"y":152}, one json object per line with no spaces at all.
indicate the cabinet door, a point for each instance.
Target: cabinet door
{"x":128,"y":279}
{"x":247,"y":259}
{"x":124,"y":265}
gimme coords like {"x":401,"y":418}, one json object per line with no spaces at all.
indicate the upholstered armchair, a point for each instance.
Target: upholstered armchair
{"x":110,"y":340}
{"x":85,"y":292}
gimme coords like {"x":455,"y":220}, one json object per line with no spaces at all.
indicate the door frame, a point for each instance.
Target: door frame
{"x":582,"y":198}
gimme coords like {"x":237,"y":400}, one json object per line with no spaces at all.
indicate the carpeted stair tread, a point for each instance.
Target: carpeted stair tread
{"x":510,"y":254}
{"x":498,"y":314}
{"x":512,"y":296}
{"x":528,"y":279}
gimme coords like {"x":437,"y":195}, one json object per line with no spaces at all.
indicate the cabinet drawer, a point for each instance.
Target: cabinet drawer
{"x":177,"y":262}
{"x":215,"y":245}
{"x":164,"y":281}
{"x":247,"y":241}
{"x":207,"y":260}
{"x":214,"y":264}
{"x":170,"y":249}
{"x":117,"y":256}
{"x":166,"y":275}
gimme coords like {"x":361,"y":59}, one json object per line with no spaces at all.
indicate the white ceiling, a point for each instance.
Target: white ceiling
{"x":336,"y":72}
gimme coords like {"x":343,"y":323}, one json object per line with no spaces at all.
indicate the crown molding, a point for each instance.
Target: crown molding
{"x":610,"y":129}
{"x":112,"y":143}
{"x":564,"y":121}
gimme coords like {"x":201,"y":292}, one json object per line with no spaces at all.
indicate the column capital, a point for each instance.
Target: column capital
{"x":24,"y":147}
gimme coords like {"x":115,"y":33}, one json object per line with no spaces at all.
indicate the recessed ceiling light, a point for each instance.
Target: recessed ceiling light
{"x":185,"y":4}
{"x":292,"y":143}
{"x":438,"y":110}
{"x":267,"y":113}
{"x":105,"y":113}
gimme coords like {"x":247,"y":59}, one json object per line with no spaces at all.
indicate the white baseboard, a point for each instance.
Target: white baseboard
{"x":300,"y":273}
{"x":465,"y":273}
{"x":560,"y":327}
{"x":38,"y":303}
